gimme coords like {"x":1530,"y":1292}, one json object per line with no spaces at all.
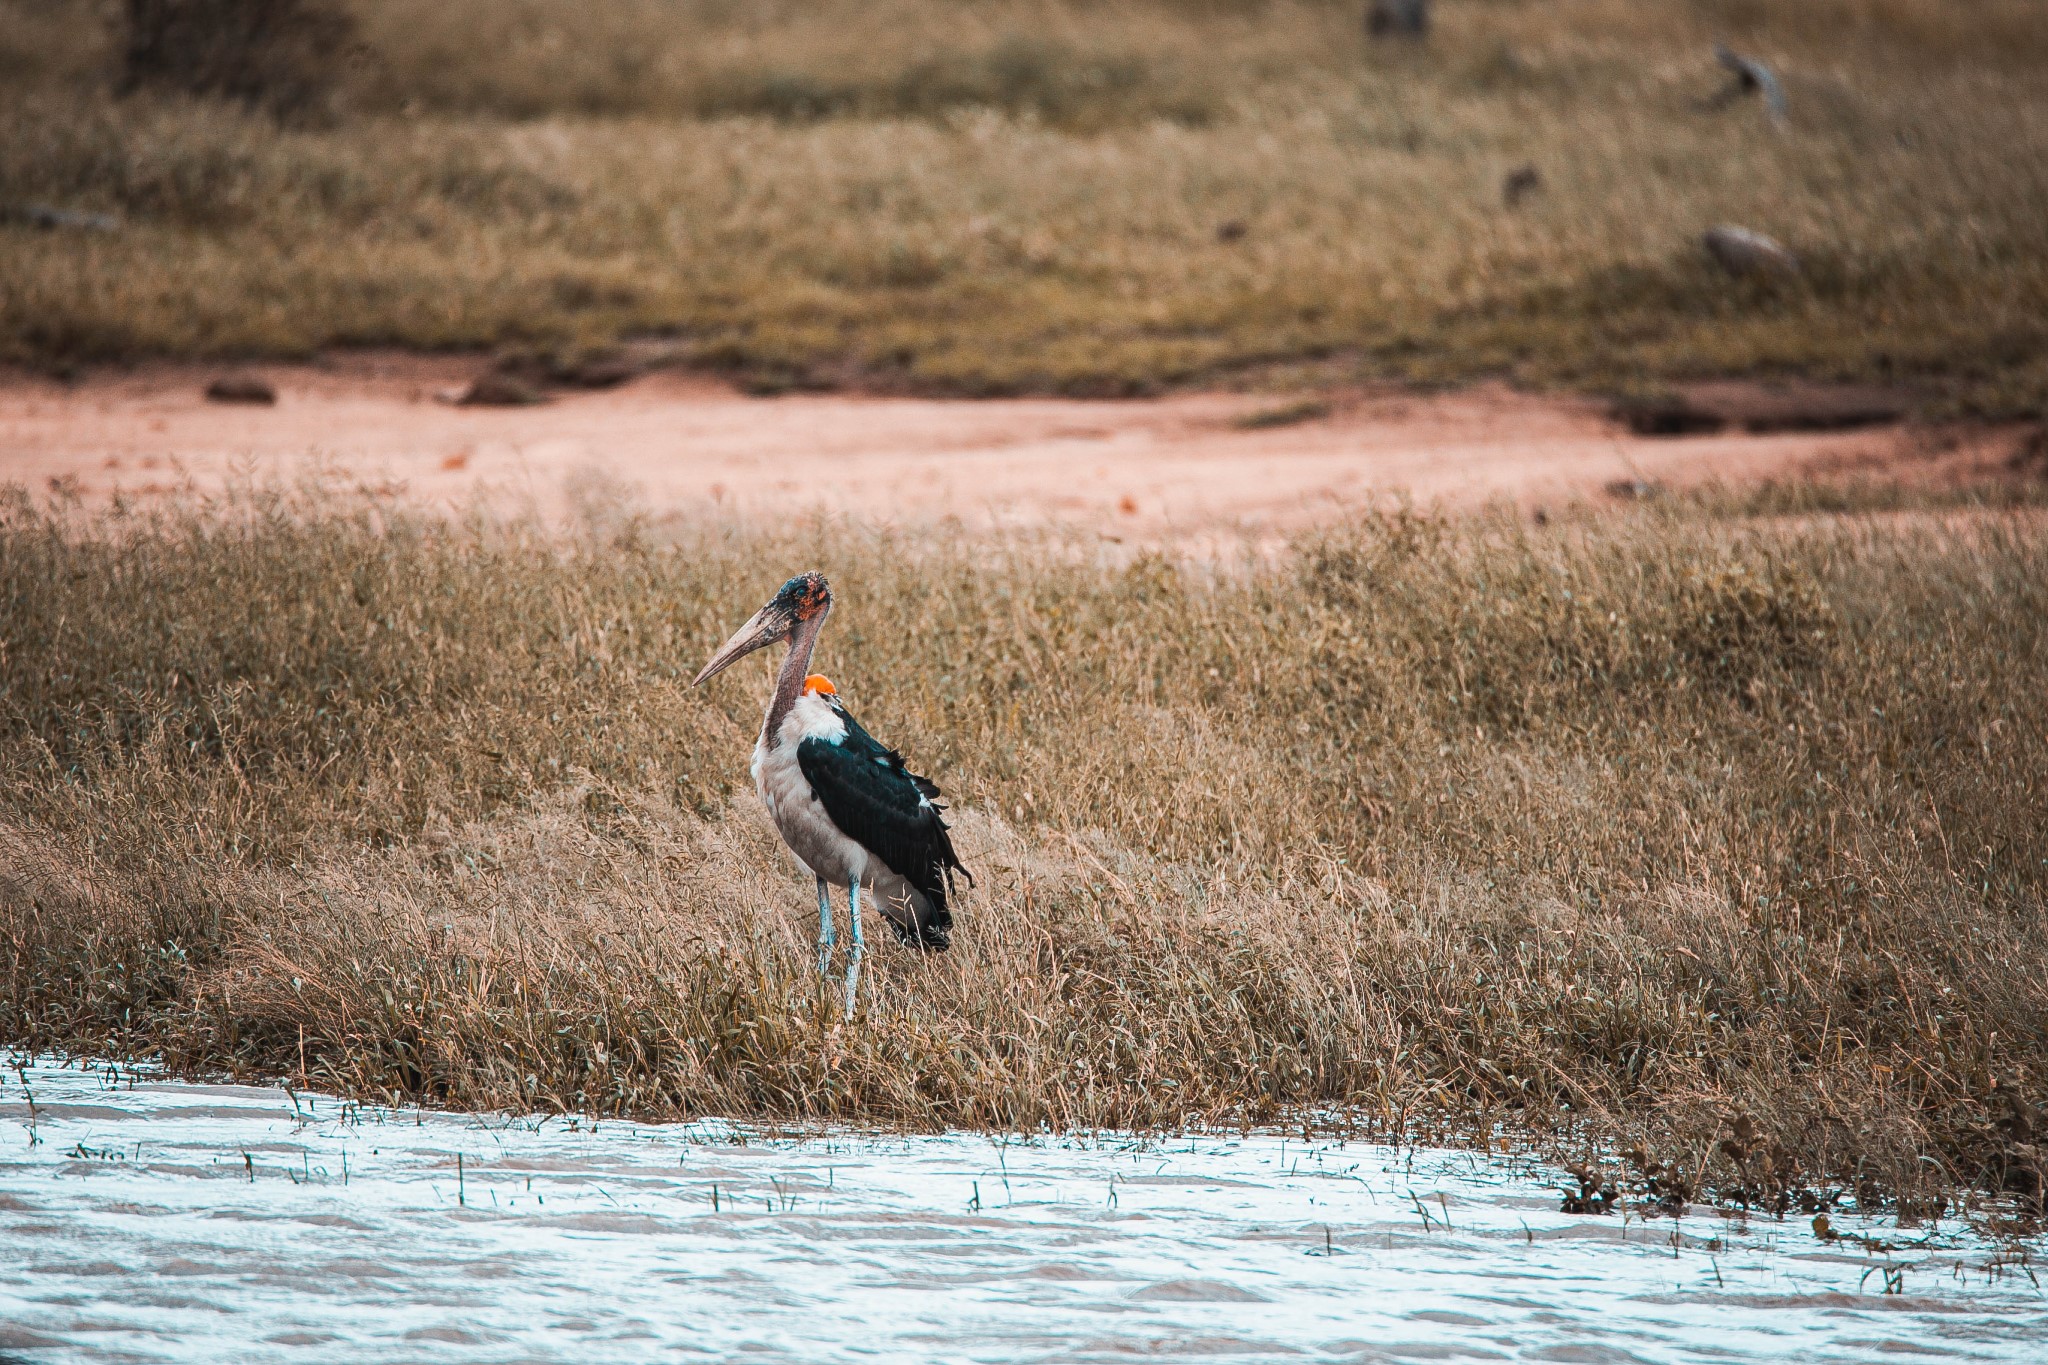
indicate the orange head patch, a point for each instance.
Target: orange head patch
{"x":820,"y":685}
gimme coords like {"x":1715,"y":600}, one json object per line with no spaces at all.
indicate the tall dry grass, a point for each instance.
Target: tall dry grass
{"x":1027,"y":194}
{"x":1719,"y":837}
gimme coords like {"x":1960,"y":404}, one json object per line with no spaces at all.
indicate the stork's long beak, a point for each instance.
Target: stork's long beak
{"x":768,"y":625}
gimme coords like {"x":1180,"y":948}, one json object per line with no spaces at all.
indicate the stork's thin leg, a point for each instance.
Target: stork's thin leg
{"x":825,"y":934}
{"x":853,"y":950}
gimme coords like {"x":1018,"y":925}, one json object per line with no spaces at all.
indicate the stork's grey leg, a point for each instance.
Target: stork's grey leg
{"x":853,"y":950}
{"x":825,"y":935}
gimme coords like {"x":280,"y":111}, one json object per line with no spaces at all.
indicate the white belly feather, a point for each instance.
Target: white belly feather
{"x":791,"y":803}
{"x":798,"y":814}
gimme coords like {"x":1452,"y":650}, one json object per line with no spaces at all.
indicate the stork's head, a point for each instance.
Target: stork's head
{"x":807,"y":597}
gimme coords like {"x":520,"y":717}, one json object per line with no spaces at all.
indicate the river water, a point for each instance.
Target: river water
{"x":151,"y":1220}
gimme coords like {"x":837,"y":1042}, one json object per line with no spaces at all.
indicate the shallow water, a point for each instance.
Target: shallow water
{"x":142,"y":1219}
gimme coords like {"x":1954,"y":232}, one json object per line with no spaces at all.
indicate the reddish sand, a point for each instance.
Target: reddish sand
{"x":679,"y":444}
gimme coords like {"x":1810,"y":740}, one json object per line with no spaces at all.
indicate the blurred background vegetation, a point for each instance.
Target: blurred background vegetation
{"x":1029,"y":195}
{"x":984,"y":196}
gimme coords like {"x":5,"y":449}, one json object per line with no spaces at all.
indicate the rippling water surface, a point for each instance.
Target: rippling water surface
{"x":149,"y":1220}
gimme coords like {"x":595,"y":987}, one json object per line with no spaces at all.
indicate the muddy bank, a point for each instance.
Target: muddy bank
{"x":678,"y":444}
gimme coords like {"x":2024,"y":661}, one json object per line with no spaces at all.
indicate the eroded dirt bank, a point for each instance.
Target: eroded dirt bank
{"x":683,"y":444}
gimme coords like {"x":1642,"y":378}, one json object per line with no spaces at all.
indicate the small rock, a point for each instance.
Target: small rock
{"x":1746,"y":254}
{"x":769,"y":383}
{"x":606,"y":373}
{"x":1667,"y":415}
{"x":50,"y":219}
{"x":1632,"y":490}
{"x":1519,"y":184}
{"x":241,"y":388}
{"x":1231,"y":231}
{"x":1397,"y":18}
{"x":499,"y":391}
{"x":1286,"y":415}
{"x":1752,"y":77}
{"x":604,"y":369}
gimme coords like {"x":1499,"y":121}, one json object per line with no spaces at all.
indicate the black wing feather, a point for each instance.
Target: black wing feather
{"x":893,"y":813}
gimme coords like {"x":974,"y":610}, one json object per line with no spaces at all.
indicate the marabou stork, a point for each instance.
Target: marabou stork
{"x":848,"y":808}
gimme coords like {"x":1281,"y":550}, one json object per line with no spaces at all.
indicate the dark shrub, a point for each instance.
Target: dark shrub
{"x":283,"y":56}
